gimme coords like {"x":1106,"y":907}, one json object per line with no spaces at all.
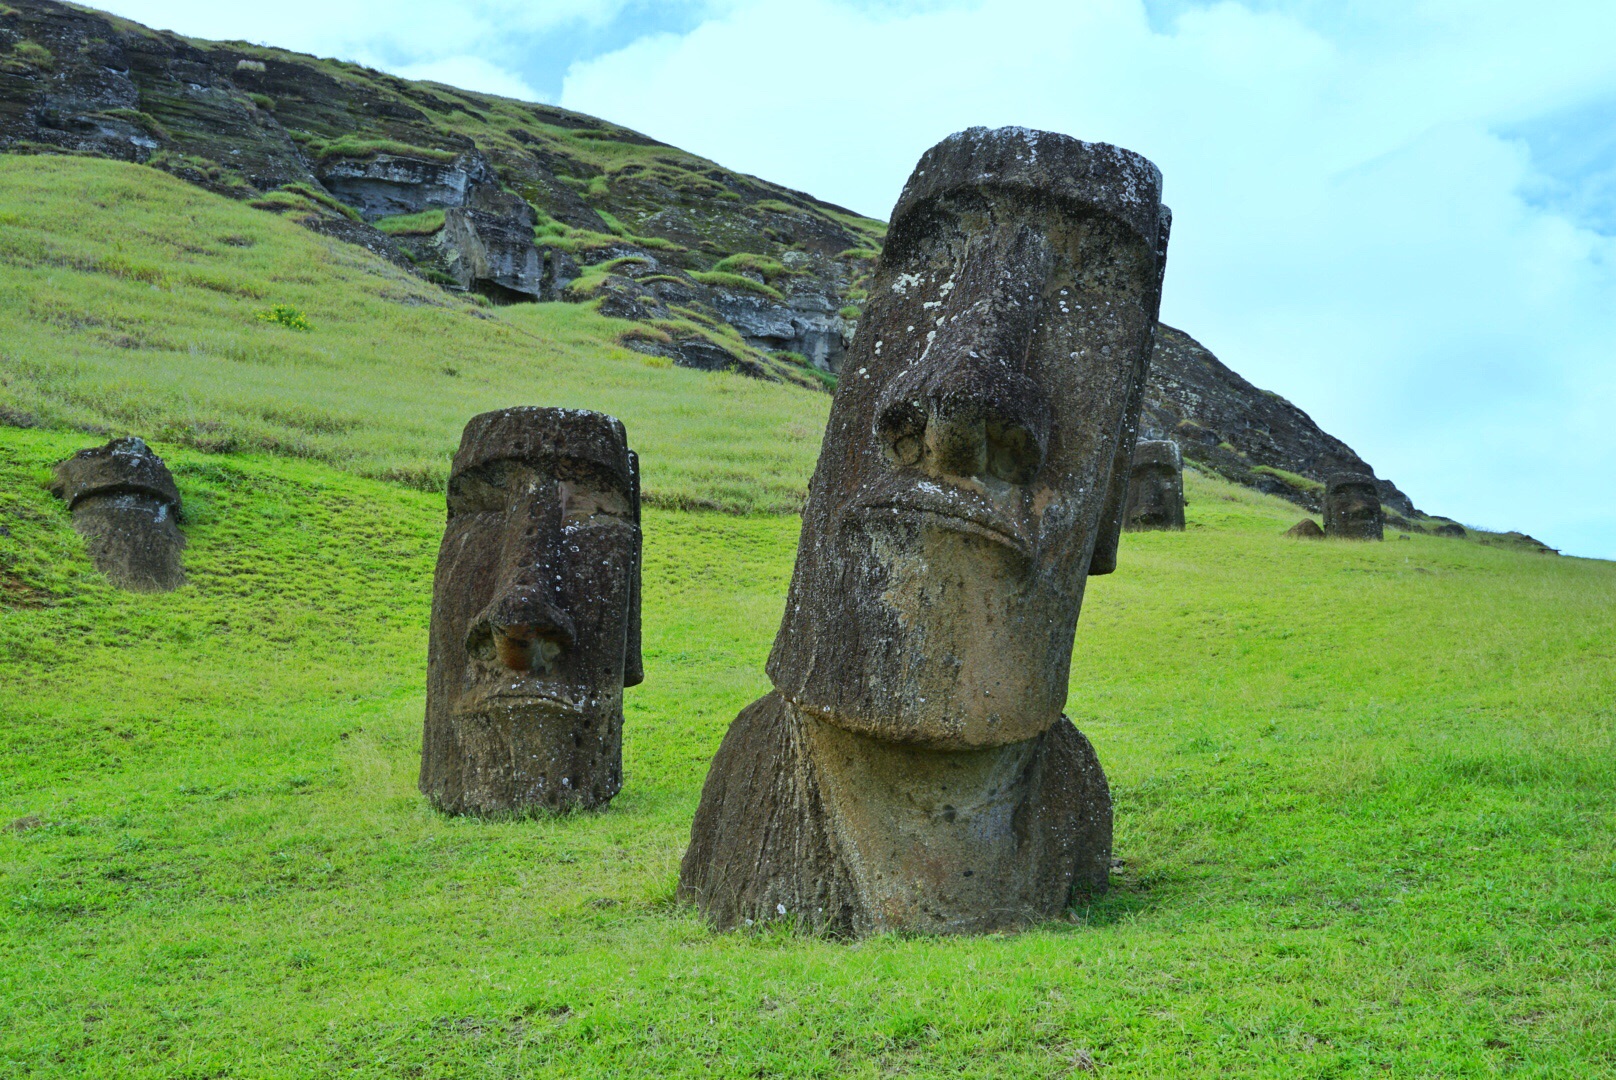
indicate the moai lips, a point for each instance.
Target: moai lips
{"x":1352,"y":508}
{"x":127,"y":508}
{"x":535,"y":615}
{"x":912,"y":769}
{"x":1155,"y":487}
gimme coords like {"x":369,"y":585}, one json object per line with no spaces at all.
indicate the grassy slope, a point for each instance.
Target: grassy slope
{"x":127,"y":300}
{"x":1365,"y":794}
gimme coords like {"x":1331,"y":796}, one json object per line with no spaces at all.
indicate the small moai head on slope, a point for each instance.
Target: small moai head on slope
{"x":1155,"y":487}
{"x":126,"y":506}
{"x":1352,"y":507}
{"x":975,"y":461}
{"x":535,"y":615}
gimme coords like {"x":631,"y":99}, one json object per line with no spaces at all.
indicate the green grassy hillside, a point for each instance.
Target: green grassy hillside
{"x":131,"y":300}
{"x":1366,"y":794}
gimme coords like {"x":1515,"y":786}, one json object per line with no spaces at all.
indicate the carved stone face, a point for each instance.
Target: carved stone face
{"x":1155,"y":487}
{"x":127,"y":508}
{"x":1352,"y":507}
{"x":972,"y":460}
{"x":535,"y":615}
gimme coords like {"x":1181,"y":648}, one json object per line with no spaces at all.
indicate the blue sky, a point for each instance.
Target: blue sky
{"x":1400,"y":214}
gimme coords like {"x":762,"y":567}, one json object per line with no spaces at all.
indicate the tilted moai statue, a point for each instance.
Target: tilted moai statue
{"x":911,"y":770}
{"x":1155,"y":487}
{"x":1352,"y":507}
{"x":535,"y":615}
{"x":127,"y":508}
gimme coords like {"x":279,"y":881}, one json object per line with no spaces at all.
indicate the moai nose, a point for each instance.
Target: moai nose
{"x":976,"y":412}
{"x":527,"y":631}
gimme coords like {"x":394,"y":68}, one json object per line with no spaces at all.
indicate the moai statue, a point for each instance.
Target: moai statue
{"x":535,"y":616}
{"x":1155,"y":487}
{"x":911,"y":770}
{"x":1352,"y":507}
{"x":127,"y":508}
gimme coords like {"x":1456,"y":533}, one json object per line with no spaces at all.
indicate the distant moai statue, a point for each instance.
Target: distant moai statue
{"x":1155,"y":487}
{"x":1352,"y":508}
{"x":126,"y":506}
{"x":535,"y":615}
{"x":911,"y":770}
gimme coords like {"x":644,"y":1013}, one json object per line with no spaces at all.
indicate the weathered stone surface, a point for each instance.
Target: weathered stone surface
{"x":912,"y":770}
{"x":385,"y":185}
{"x":1306,"y":529}
{"x":127,"y":508}
{"x":1155,"y":487}
{"x":1451,"y":529}
{"x":535,"y":615}
{"x":495,"y":255}
{"x":1352,"y":508}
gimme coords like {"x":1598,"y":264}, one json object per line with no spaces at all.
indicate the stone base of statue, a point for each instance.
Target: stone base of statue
{"x":847,"y":835}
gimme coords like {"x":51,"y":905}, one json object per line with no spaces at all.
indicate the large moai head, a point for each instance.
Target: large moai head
{"x":1155,"y":487}
{"x":975,"y":460}
{"x":127,"y":508}
{"x":535,"y":615}
{"x":1352,"y":507}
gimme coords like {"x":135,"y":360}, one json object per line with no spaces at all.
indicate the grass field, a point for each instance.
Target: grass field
{"x":1366,"y":801}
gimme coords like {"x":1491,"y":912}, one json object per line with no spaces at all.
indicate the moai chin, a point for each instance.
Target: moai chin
{"x":1155,"y":487}
{"x":1352,"y":507}
{"x":535,"y":616}
{"x":911,"y":770}
{"x":126,"y":506}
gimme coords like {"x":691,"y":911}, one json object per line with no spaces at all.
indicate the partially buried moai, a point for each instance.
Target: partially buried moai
{"x":911,"y":770}
{"x":1352,"y":508}
{"x":535,"y":615}
{"x":126,"y":506}
{"x":1155,"y":487}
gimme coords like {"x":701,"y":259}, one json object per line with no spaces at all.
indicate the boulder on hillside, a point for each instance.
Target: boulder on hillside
{"x":1306,"y":529}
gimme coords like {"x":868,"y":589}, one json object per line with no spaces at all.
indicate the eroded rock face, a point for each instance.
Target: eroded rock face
{"x":912,"y":770}
{"x":535,"y":615}
{"x":1352,"y":508}
{"x":1155,"y":487}
{"x":495,"y":255}
{"x":127,"y":508}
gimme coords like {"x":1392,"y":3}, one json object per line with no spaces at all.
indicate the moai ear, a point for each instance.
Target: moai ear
{"x":633,"y":660}
{"x":1109,"y":533}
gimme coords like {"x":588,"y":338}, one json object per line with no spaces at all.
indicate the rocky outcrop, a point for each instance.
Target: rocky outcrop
{"x":389,"y":185}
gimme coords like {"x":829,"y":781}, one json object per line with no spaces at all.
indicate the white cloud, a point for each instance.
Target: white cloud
{"x":1350,"y":229}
